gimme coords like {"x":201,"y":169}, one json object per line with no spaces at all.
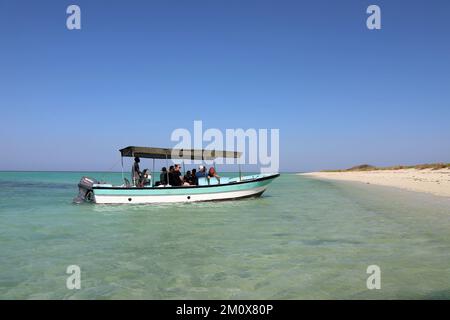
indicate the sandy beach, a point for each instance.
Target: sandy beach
{"x":436,"y":182}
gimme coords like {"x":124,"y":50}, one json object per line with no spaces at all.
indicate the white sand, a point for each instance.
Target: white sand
{"x":436,"y":182}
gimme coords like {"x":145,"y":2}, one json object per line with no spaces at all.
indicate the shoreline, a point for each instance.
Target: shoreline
{"x":431,"y":181}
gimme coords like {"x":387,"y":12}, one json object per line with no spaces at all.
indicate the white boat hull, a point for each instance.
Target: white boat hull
{"x":142,"y":199}
{"x":250,"y":186}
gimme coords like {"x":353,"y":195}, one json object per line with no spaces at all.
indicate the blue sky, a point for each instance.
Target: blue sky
{"x":340,"y":94}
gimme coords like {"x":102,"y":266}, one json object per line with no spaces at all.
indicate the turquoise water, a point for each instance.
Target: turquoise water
{"x":304,"y":239}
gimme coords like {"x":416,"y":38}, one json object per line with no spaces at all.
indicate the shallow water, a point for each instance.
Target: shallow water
{"x":304,"y":239}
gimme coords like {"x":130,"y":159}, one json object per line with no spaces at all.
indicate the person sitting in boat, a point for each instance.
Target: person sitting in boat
{"x":187,"y":177}
{"x":201,"y":172}
{"x":163,"y":177}
{"x":170,"y":176}
{"x":175,"y":176}
{"x":213,"y":174}
{"x":145,"y":178}
{"x":194,"y":179}
{"x":136,"y":172}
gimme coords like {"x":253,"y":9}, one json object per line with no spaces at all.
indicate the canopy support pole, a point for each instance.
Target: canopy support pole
{"x":214,"y":166}
{"x":121,"y":160}
{"x":153,"y":173}
{"x":184,"y":168}
{"x":167,"y":169}
{"x":240,"y":173}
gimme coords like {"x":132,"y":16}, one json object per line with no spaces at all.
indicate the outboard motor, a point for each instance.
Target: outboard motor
{"x":85,"y":192}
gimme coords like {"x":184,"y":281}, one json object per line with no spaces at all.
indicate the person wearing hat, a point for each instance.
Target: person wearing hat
{"x":136,"y":172}
{"x":201,"y":172}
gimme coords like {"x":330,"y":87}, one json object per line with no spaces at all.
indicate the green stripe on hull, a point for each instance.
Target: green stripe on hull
{"x":181,"y":191}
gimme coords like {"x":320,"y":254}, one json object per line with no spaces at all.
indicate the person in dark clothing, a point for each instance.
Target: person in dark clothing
{"x":194,"y":179}
{"x":163,"y":176}
{"x":187,"y":177}
{"x":170,"y":175}
{"x":136,"y":172}
{"x":175,"y":176}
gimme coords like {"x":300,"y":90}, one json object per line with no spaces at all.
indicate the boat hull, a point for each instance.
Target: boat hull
{"x":244,"y":189}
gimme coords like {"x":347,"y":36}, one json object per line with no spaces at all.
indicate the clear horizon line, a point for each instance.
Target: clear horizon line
{"x":77,"y":171}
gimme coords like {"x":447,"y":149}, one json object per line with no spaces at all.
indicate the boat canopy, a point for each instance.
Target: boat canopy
{"x":166,"y":153}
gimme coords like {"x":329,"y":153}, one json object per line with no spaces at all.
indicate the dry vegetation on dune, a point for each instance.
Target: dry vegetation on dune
{"x":367,"y":167}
